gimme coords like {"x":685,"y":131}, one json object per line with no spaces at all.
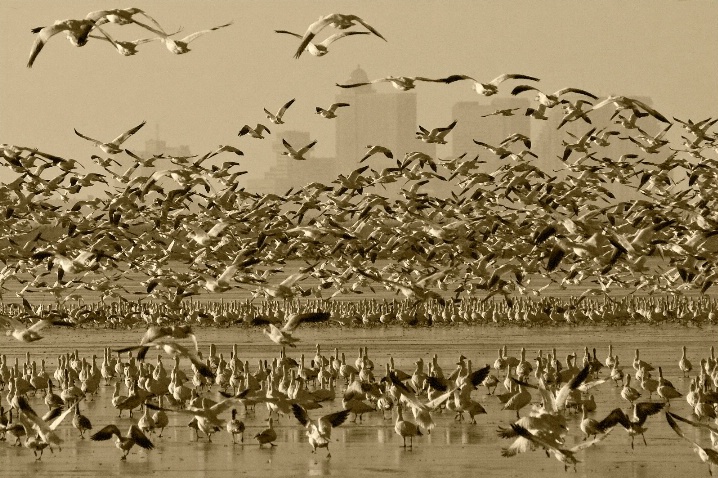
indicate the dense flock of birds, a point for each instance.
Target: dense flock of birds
{"x":289,"y":386}
{"x":510,"y":232}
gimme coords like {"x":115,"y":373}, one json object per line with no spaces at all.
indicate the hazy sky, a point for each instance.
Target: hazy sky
{"x":667,"y":50}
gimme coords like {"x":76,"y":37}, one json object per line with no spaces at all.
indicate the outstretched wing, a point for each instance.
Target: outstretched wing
{"x":86,"y":137}
{"x":477,"y":377}
{"x":123,"y":137}
{"x":140,"y":439}
{"x":106,"y":433}
{"x":301,"y":414}
{"x":284,"y":108}
{"x":296,"y":319}
{"x":288,"y":33}
{"x":616,"y":417}
{"x":577,"y":380}
{"x":645,"y":409}
{"x":194,"y":36}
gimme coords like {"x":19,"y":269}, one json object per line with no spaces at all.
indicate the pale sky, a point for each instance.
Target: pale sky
{"x":667,"y":50}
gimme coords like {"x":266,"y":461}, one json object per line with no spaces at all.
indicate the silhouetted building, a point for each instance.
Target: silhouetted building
{"x":289,"y":173}
{"x":385,"y":119}
{"x":472,"y":123}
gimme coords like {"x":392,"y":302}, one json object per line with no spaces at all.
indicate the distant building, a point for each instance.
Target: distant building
{"x":289,"y":173}
{"x":474,"y":124}
{"x":385,"y":119}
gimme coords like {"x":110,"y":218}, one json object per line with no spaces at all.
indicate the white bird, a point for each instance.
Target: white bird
{"x":336,"y":20}
{"x":320,"y":433}
{"x":567,"y":456}
{"x":297,"y":154}
{"x":113,"y":147}
{"x":707,"y":455}
{"x":27,"y":334}
{"x":331,"y":112}
{"x":490,"y":88}
{"x":551,"y":100}
{"x":377,"y":149}
{"x":284,"y":336}
{"x":77,"y":32}
{"x":436,"y":135}
{"x":321,"y":49}
{"x":277,"y":118}
{"x":403,"y":83}
{"x":254,"y":132}
{"x":179,"y":47}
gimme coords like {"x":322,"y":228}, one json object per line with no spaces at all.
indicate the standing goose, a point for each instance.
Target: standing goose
{"x":629,"y":393}
{"x":235,"y":427}
{"x":405,"y":429}
{"x":81,"y":422}
{"x":268,"y":435}
{"x":684,"y":364}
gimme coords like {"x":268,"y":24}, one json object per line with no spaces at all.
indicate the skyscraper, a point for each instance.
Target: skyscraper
{"x":288,"y":173}
{"x":385,"y":119}
{"x":472,"y":123}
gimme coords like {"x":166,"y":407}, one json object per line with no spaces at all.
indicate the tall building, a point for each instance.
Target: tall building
{"x":386,"y":119}
{"x":472,"y":123}
{"x":289,"y":173}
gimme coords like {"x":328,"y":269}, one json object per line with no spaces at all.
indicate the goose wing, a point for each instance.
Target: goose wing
{"x":477,"y":377}
{"x":616,"y":417}
{"x":284,"y":108}
{"x":123,"y":137}
{"x":300,"y":414}
{"x":691,"y":422}
{"x":194,"y":36}
{"x":332,"y":420}
{"x":641,"y":411}
{"x":511,"y":76}
{"x":140,"y":438}
{"x":87,"y":137}
{"x":307,"y":147}
{"x":311,"y":32}
{"x":572,"y":384}
{"x":331,"y":39}
{"x":44,"y":35}
{"x":677,"y":429}
{"x":296,"y":319}
{"x":106,"y":433}
{"x":288,"y":33}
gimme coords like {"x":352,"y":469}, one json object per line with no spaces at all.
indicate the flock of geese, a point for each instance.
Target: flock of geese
{"x":511,"y":233}
{"x":545,"y":394}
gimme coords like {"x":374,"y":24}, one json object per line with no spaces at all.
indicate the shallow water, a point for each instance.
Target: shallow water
{"x":371,"y":448}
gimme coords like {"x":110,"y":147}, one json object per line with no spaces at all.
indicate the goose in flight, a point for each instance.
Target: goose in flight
{"x":504,"y":112}
{"x":707,"y":455}
{"x":179,"y":47}
{"x":173,"y":349}
{"x":277,"y":119}
{"x":551,"y":100}
{"x":567,"y":456}
{"x":336,"y":20}
{"x":254,"y":132}
{"x":331,"y":112}
{"x":377,"y":149}
{"x":19,"y":331}
{"x":284,"y":336}
{"x":121,"y":16}
{"x":633,"y":425}
{"x":490,"y":88}
{"x":319,"y":432}
{"x":297,"y":154}
{"x":124,"y":48}
{"x":112,"y":147}
{"x":624,"y":103}
{"x":125,"y":443}
{"x":321,"y":49}
{"x":436,"y":135}
{"x":77,"y":32}
{"x":403,"y":83}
